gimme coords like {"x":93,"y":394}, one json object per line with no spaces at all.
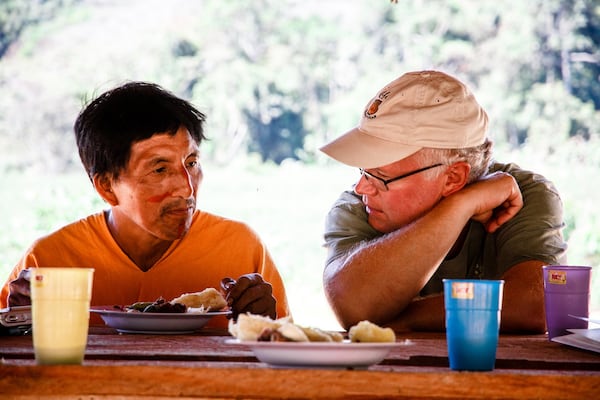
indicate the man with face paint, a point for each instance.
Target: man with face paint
{"x":139,"y":145}
{"x":431,"y":204}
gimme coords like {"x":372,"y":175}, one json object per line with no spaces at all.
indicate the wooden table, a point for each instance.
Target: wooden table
{"x":202,"y":365}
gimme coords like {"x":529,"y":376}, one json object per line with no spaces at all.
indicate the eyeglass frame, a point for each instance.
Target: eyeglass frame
{"x":368,"y":175}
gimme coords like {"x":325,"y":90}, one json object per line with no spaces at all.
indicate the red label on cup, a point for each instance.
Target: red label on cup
{"x":462,"y":290}
{"x":557,"y":277}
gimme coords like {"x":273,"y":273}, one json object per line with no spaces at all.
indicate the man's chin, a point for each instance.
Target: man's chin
{"x":378,"y":225}
{"x":177,"y":232}
{"x":183,"y":232}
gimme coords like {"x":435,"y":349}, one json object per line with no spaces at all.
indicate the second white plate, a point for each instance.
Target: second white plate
{"x":320,"y":354}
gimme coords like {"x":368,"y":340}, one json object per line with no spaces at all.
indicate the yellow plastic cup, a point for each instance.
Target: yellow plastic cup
{"x":60,"y":310}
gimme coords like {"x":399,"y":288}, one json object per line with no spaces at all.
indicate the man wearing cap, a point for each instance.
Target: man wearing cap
{"x":430,"y":204}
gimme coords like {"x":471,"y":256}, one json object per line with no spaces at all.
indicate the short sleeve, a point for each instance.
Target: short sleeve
{"x":535,"y":233}
{"x":346,"y":225}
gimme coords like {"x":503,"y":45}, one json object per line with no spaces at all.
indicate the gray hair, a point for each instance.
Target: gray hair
{"x":478,"y":157}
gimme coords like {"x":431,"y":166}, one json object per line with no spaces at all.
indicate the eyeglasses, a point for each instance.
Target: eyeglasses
{"x":382,"y":184}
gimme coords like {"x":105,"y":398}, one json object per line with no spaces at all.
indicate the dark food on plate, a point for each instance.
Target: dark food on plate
{"x":160,"y":305}
{"x":139,"y":306}
{"x":272,"y":335}
{"x":207,"y":300}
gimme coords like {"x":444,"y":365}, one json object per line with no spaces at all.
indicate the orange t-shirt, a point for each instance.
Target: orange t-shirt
{"x":214,"y":248}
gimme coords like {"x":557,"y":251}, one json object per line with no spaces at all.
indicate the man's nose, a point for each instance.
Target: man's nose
{"x":184,"y":183}
{"x":363,"y":186}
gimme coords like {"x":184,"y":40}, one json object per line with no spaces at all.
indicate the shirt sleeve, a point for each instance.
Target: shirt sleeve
{"x":535,"y":233}
{"x":346,"y":225}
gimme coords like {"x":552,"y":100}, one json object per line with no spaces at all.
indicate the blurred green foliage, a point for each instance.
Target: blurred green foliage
{"x":17,"y":15}
{"x":278,"y":78}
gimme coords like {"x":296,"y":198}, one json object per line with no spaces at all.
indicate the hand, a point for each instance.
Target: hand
{"x":249,"y":294}
{"x":498,"y":199}
{"x":20,"y":290}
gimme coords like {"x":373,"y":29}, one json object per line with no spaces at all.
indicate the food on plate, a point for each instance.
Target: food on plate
{"x":139,"y":306}
{"x":318,"y":335}
{"x":366,"y":331}
{"x":160,"y":305}
{"x":287,"y":332}
{"x":251,"y":327}
{"x":209,"y":299}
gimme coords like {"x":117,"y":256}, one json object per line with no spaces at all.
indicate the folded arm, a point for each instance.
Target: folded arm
{"x":379,"y":279}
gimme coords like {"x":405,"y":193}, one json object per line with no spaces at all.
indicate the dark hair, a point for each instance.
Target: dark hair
{"x":107,"y":127}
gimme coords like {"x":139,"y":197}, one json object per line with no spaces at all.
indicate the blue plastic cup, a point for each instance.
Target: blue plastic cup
{"x":473,"y":309}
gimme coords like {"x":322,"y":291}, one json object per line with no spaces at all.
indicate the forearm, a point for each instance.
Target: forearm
{"x":379,"y":279}
{"x":422,"y":314}
{"x":523,"y":305}
{"x":522,"y":310}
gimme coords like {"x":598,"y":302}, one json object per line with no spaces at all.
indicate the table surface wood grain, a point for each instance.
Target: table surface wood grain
{"x":203,"y":365}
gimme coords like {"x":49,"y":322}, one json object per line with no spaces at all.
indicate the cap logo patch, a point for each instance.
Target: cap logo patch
{"x":373,"y":107}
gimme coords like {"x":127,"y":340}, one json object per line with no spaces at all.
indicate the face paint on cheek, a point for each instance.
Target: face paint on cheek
{"x":158,"y":198}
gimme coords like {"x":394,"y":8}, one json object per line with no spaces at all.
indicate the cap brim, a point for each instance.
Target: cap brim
{"x":359,"y":149}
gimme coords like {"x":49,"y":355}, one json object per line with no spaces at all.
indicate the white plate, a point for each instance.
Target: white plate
{"x":579,"y":341}
{"x":320,"y":354}
{"x":155,"y":323}
{"x":593,"y":334}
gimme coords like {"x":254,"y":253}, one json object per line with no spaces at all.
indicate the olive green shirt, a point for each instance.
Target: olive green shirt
{"x":535,"y":233}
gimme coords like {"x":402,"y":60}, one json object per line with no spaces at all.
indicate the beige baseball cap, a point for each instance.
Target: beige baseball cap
{"x":417,"y":110}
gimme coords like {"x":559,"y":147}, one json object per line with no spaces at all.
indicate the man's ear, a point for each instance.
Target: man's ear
{"x":103,"y":185}
{"x":457,"y":176}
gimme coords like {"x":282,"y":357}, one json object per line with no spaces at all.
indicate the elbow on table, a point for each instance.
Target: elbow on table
{"x":524,"y":324}
{"x":346,"y":312}
{"x":352,"y":301}
{"x":348,"y":321}
{"x":351,"y":309}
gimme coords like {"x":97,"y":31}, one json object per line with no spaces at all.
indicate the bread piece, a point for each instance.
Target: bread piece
{"x":292,"y":332}
{"x":250,"y":326}
{"x":318,"y":335}
{"x":366,"y":331}
{"x":209,"y":299}
{"x":335,"y":336}
{"x":271,"y":335}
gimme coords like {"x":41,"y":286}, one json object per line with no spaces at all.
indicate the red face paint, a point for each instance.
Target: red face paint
{"x":158,"y":198}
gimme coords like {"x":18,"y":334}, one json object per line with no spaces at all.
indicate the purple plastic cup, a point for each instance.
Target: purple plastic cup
{"x":566,"y":294}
